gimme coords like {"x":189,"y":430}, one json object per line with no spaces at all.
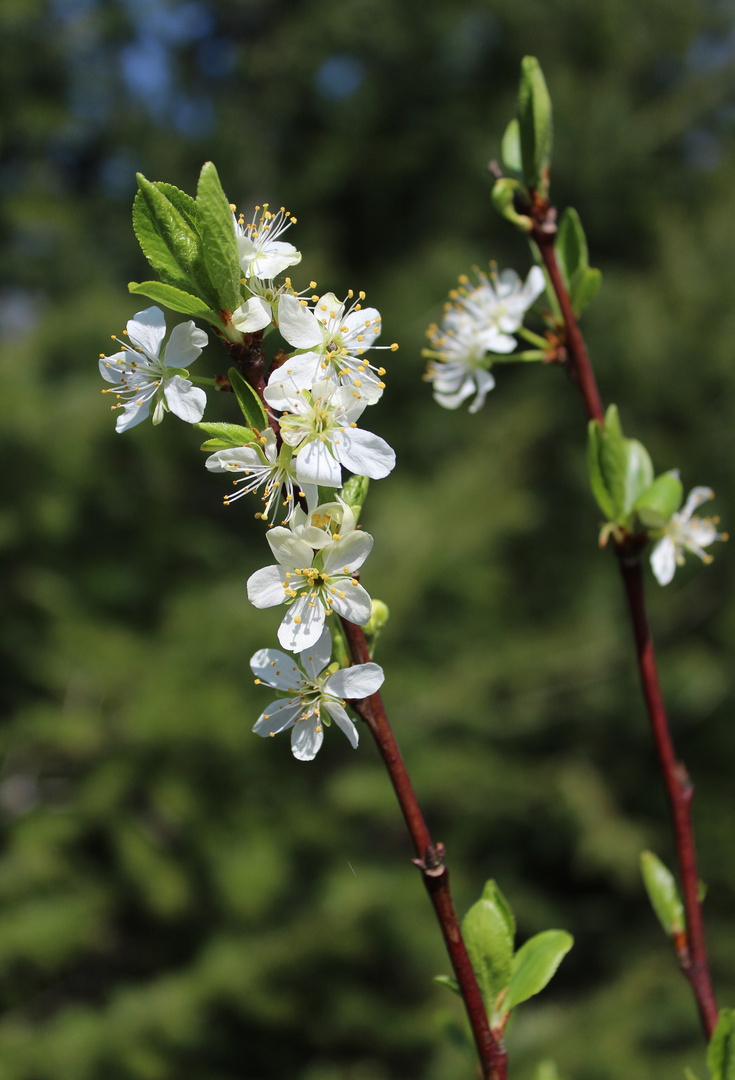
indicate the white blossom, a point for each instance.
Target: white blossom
{"x":264,"y":467}
{"x":260,"y":309}
{"x":335,"y":339}
{"x":478,"y":321}
{"x":313,"y":696}
{"x":685,"y":531}
{"x":321,"y":427}
{"x":261,"y":253}
{"x":459,"y":365}
{"x":142,"y":377}
{"x":313,"y":584}
{"x":496,"y":305}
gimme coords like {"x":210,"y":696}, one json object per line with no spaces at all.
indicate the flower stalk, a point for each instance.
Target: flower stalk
{"x":430,"y":861}
{"x":691,"y":952}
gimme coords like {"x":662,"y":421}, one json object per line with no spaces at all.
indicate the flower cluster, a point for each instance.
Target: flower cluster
{"x":299,"y":438}
{"x":479,"y":319}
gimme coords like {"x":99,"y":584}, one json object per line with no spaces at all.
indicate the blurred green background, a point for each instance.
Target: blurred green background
{"x":179,"y":899}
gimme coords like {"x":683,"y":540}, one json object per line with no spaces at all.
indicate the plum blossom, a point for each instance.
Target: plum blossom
{"x":314,"y":694}
{"x":335,"y":338}
{"x":264,"y":467}
{"x":685,"y":531}
{"x":459,"y":365}
{"x":312,"y":584}
{"x":320,"y":425}
{"x":261,"y":253}
{"x":478,"y":321}
{"x":144,"y":377}
{"x":261,"y":307}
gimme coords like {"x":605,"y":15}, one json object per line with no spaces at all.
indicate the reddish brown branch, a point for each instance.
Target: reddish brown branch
{"x":692,"y":952}
{"x":579,"y":362}
{"x":430,"y":860}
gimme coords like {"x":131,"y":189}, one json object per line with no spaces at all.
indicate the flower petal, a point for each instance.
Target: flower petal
{"x":265,"y":587}
{"x":357,"y":681}
{"x":277,"y":716}
{"x":316,"y":464}
{"x":288,"y":549}
{"x":147,"y":330}
{"x":302,"y":635}
{"x":346,"y":556}
{"x":485,"y":382}
{"x":254,"y":314}
{"x":364,"y":453}
{"x":184,"y":345}
{"x":696,"y":497}
{"x":306,"y":738}
{"x":276,"y":669}
{"x":342,"y":721}
{"x":355,"y":605}
{"x":663,"y":560}
{"x":315,"y":659}
{"x":184,"y":400}
{"x":297,"y":324}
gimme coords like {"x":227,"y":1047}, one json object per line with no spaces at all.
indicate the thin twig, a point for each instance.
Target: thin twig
{"x":430,"y":861}
{"x":691,"y":952}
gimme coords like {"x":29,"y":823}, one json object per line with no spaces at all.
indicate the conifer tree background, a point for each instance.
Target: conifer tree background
{"x":180,"y":898}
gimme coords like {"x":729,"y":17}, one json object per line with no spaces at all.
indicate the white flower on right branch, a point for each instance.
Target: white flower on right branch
{"x":685,"y":531}
{"x":311,"y":692}
{"x":478,"y":321}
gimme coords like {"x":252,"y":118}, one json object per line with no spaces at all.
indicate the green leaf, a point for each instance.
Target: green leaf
{"x":614,"y":461}
{"x":492,"y":893}
{"x":597,"y":481}
{"x":173,"y":222}
{"x":174,"y":298}
{"x":218,"y":238}
{"x":584,"y":287}
{"x":658,"y":502}
{"x":663,"y":894}
{"x":535,"y":123}
{"x":503,"y":196}
{"x":638,"y":473}
{"x":449,"y":982}
{"x":571,"y":245}
{"x":154,"y":247}
{"x":248,"y":400}
{"x":510,"y":148}
{"x":226,"y":435}
{"x":534,"y":965}
{"x":490,"y":947}
{"x":183,"y":203}
{"x":721,"y":1050}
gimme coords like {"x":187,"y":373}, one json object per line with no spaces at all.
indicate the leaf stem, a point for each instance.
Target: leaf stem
{"x":692,"y":953}
{"x":430,"y":861}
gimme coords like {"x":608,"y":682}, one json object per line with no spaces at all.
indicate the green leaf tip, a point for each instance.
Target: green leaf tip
{"x":536,"y":126}
{"x":248,"y":400}
{"x":721,"y":1049}
{"x":219,"y":243}
{"x":488,"y":929}
{"x":535,"y":964}
{"x":663,"y":894}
